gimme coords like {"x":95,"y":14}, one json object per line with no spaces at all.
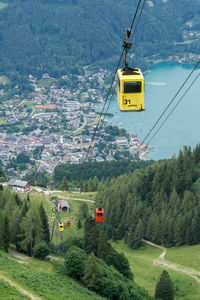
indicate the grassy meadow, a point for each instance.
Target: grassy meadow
{"x":3,"y":79}
{"x":10,"y":293}
{"x":186,"y":255}
{"x":146,"y":274}
{"x":44,"y":279}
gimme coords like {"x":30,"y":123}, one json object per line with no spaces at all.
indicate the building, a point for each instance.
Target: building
{"x":19,"y":185}
{"x":63,"y":206}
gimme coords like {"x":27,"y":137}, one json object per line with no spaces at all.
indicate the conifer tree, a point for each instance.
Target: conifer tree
{"x":6,"y":234}
{"x":91,"y":235}
{"x":45,"y":224}
{"x":164,"y":288}
{"x":83,"y":210}
{"x":79,"y":225}
{"x":18,"y":237}
{"x":138,"y":235}
{"x":103,"y":246}
{"x":93,"y":273}
{"x":64,"y":185}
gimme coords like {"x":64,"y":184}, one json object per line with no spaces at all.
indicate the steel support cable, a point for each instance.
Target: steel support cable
{"x":131,"y":41}
{"x":138,"y":20}
{"x":97,"y":126}
{"x":168,"y":105}
{"x":173,"y":108}
{"x":108,"y":94}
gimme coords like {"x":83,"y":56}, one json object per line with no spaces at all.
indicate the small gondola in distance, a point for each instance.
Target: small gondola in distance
{"x":99,"y":214}
{"x":61,"y":226}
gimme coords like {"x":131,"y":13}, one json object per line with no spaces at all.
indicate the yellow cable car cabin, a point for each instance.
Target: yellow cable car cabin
{"x":61,"y":226}
{"x":53,"y":216}
{"x":130,"y":96}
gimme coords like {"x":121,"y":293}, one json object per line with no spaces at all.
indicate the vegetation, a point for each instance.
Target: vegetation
{"x":159,"y":203}
{"x":47,"y":282}
{"x":90,"y":170}
{"x":41,"y":44}
{"x":10,"y":293}
{"x":2,"y":175}
{"x":147,"y":273}
{"x":24,"y":225}
{"x":164,"y":288}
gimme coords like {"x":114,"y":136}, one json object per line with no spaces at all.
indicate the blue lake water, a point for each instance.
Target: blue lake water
{"x":162,"y":81}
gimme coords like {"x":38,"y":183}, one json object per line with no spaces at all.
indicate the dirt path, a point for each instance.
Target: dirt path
{"x":77,"y":199}
{"x":17,"y":287}
{"x":179,"y":268}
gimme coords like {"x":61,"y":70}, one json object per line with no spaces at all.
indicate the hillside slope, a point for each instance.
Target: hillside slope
{"x":61,"y":36}
{"x":159,"y":203}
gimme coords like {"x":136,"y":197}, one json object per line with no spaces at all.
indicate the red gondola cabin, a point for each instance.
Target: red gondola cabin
{"x":68,"y":223}
{"x":99,"y":214}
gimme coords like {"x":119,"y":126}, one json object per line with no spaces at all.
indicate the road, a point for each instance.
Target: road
{"x":84,"y":123}
{"x":179,"y":268}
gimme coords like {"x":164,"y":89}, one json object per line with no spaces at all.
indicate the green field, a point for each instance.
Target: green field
{"x":146,"y":274}
{"x":2,"y":121}
{"x":186,"y":255}
{"x":2,"y":5}
{"x":46,"y":83}
{"x":3,"y":79}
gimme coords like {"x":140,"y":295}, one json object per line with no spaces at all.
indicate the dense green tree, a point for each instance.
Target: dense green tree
{"x":103,"y":249}
{"x":41,"y":250}
{"x":91,"y":235}
{"x":75,"y":262}
{"x":83,"y":210}
{"x":64,"y":184}
{"x":6,"y":234}
{"x":164,"y":288}
{"x":79,"y":224}
{"x":31,"y":231}
{"x":93,"y":274}
{"x":45,"y":224}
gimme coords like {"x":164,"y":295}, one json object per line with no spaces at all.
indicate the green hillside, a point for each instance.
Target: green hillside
{"x":42,"y":279}
{"x":160,"y":203}
{"x":146,"y":271}
{"x":61,"y":36}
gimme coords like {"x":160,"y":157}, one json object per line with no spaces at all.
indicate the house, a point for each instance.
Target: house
{"x":19,"y":185}
{"x":63,"y":206}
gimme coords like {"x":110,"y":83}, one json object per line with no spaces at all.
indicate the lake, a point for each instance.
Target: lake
{"x":162,"y":81}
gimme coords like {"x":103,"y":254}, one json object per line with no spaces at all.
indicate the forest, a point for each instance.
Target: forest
{"x":101,"y":170}
{"x":160,"y":203}
{"x":60,"y":37}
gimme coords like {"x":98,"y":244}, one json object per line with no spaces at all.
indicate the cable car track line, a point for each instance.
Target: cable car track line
{"x":113,"y":79}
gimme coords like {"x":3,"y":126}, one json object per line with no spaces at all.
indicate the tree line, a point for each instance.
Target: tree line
{"x":160,"y":203}
{"x":23,"y":224}
{"x":100,"y":170}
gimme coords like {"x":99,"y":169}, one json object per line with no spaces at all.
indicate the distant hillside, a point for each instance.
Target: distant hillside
{"x":160,"y":203}
{"x":61,"y":36}
{"x":89,"y":170}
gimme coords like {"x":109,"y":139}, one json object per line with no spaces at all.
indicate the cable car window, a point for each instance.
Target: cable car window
{"x":132,"y":87}
{"x":99,"y":215}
